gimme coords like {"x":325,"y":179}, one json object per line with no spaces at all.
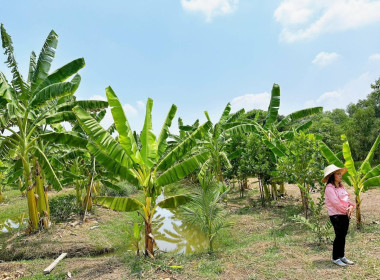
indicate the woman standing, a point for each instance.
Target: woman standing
{"x":340,"y":209}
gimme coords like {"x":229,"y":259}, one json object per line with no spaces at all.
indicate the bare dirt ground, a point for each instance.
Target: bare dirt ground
{"x":263,"y":243}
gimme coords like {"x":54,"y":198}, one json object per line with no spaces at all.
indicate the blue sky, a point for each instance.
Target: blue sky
{"x":201,"y":54}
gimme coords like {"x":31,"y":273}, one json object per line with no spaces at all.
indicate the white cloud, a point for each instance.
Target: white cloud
{"x":374,"y":57}
{"x":324,"y":58}
{"x":351,"y":92}
{"x":251,"y":101}
{"x":140,"y":105}
{"x":306,"y":19}
{"x":210,"y":8}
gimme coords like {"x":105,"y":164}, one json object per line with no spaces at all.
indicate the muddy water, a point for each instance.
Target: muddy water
{"x":172,"y":234}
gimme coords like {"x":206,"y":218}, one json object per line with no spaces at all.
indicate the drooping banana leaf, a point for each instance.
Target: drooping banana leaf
{"x":161,"y":142}
{"x":373,"y":182}
{"x":182,"y":169}
{"x":61,"y":117}
{"x":44,"y":60}
{"x":32,"y":66}
{"x":48,"y":170}
{"x":126,"y":204}
{"x":62,"y":74}
{"x":299,"y":115}
{"x":68,"y":138}
{"x":235,"y":116}
{"x":110,"y":185}
{"x":373,"y":172}
{"x":274,"y":106}
{"x":87,"y":105}
{"x":55,"y":91}
{"x":101,"y":137}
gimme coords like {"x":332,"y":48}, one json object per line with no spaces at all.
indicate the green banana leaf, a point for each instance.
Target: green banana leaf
{"x":173,"y":201}
{"x":87,"y":105}
{"x":276,"y":150}
{"x":32,"y":66}
{"x":242,"y":128}
{"x":372,"y":182}
{"x":366,"y":165}
{"x":62,"y":74}
{"x":68,"y":138}
{"x":126,"y":139}
{"x":225,"y":114}
{"x":96,"y":133}
{"x":112,"y":165}
{"x":148,"y":139}
{"x":274,"y":106}
{"x":126,"y":204}
{"x":373,"y":172}
{"x":333,"y":159}
{"x":55,"y":91}
{"x":47,"y":168}
{"x":110,"y":185}
{"x":235,"y":116}
{"x":18,"y":83}
{"x":350,"y":164}
{"x":185,"y":146}
{"x":299,"y":115}
{"x":44,"y":60}
{"x":161,"y":142}
{"x":61,"y":117}
{"x":182,"y":169}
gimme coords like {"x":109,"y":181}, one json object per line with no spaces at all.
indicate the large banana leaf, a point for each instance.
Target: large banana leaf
{"x":62,"y":74}
{"x":18,"y":83}
{"x":68,"y":138}
{"x":101,"y":137}
{"x":148,"y":139}
{"x":299,"y":115}
{"x":110,"y":185}
{"x":182,"y":169}
{"x":88,"y":105}
{"x":161,"y":142}
{"x":373,"y":172}
{"x":225,"y":114}
{"x":276,"y":150}
{"x":5,"y":89}
{"x":126,"y":204}
{"x":373,"y":182}
{"x":366,"y":165}
{"x":126,"y":139}
{"x":274,"y":106}
{"x":59,"y":117}
{"x":112,"y":165}
{"x":350,"y":164}
{"x":180,"y":150}
{"x":242,"y":128}
{"x":44,"y":60}
{"x":55,"y":91}
{"x":235,"y":116}
{"x":173,"y":201}
{"x":32,"y":66}
{"x":47,"y":168}
{"x":333,"y":159}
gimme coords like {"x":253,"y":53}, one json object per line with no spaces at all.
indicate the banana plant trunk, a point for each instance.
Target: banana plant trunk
{"x":149,"y":240}
{"x":282,"y":189}
{"x":358,"y":214}
{"x":274,"y":191}
{"x":266,"y":191}
{"x":42,"y":201}
{"x":1,"y":196}
{"x":31,"y":197}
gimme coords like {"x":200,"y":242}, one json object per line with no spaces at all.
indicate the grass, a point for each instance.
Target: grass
{"x":263,"y":243}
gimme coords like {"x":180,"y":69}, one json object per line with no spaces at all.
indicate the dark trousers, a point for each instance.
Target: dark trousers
{"x":340,"y":224}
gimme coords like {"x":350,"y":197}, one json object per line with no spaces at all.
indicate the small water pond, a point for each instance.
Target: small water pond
{"x":12,"y":224}
{"x":172,"y":234}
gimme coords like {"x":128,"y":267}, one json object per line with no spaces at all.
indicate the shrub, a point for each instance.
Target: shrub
{"x":61,"y":207}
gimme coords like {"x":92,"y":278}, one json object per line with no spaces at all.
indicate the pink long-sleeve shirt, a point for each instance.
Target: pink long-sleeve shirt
{"x":337,"y":200}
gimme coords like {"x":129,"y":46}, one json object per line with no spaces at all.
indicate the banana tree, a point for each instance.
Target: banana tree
{"x":361,"y":179}
{"x":24,"y":108}
{"x":143,"y":162}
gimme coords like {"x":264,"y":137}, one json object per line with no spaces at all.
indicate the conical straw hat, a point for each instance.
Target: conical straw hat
{"x":330,"y":170}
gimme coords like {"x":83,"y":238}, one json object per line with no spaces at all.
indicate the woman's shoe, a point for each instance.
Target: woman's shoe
{"x":339,"y":262}
{"x":346,"y":261}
